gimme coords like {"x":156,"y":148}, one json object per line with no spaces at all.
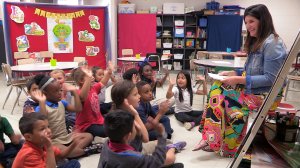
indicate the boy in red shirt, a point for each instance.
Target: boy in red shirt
{"x":37,"y":150}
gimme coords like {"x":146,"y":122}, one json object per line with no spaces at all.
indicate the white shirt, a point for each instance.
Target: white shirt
{"x":185,"y":105}
{"x":102,"y":94}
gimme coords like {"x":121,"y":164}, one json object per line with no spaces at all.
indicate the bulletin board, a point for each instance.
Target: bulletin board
{"x":38,"y":27}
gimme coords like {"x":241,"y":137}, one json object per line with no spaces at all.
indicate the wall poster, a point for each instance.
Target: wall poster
{"x":60,"y":35}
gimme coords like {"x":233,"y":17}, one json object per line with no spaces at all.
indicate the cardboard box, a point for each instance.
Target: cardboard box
{"x":173,"y":8}
{"x":126,"y":8}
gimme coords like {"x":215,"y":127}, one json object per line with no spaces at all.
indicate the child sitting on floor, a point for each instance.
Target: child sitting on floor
{"x":8,"y":150}
{"x":98,"y":74}
{"x":131,"y":75}
{"x":60,"y":76}
{"x":30,"y":104}
{"x":146,"y":111}
{"x":90,"y":119}
{"x":146,"y":74}
{"x":183,"y":93}
{"x":121,"y":128}
{"x":51,"y":105}
{"x":124,"y":95}
{"x":37,"y":150}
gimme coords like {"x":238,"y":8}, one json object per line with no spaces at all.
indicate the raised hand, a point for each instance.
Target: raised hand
{"x":38,"y":95}
{"x":134,"y":78}
{"x":69,"y":87}
{"x":88,"y":73}
{"x":46,"y":138}
{"x":130,"y":108}
{"x":164,"y":106}
{"x":111,"y":66}
{"x":157,"y":126}
{"x":166,"y":71}
{"x":172,"y":82}
{"x":200,"y":78}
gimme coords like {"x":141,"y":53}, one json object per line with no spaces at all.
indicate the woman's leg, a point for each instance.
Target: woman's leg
{"x":96,"y":130}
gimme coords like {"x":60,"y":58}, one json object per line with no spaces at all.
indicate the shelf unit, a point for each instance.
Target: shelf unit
{"x":179,"y":35}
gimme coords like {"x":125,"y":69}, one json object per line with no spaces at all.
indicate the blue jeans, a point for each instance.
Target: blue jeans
{"x":165,"y":121}
{"x":70,"y":164}
{"x":10,"y":152}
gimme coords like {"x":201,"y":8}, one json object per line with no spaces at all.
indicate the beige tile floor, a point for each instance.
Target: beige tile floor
{"x":188,"y":157}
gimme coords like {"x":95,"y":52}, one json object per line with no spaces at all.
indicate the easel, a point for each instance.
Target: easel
{"x":263,"y":110}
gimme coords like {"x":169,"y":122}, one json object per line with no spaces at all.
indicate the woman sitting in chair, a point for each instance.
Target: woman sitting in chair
{"x":225,"y":119}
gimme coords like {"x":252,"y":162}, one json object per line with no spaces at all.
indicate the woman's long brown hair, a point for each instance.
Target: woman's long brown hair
{"x":265,"y":27}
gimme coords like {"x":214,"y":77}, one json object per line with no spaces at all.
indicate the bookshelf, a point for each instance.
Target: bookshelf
{"x":181,"y":36}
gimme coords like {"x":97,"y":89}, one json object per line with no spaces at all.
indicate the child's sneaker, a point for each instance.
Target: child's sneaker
{"x":178,"y":146}
{"x":93,"y":149}
{"x":189,"y":125}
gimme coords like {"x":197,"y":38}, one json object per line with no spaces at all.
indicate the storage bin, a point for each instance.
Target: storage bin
{"x":202,"y":22}
{"x":212,"y":5}
{"x":173,"y":8}
{"x":178,"y":56}
{"x":167,"y":66}
{"x":177,"y":66}
{"x":179,"y":22}
{"x":126,"y":8}
{"x":179,"y":32}
{"x":167,"y":45}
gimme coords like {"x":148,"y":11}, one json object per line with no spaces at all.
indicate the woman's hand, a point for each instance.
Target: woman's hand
{"x":228,"y":73}
{"x":234,"y":80}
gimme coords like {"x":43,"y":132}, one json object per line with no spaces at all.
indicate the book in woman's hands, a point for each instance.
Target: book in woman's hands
{"x":216,"y":76}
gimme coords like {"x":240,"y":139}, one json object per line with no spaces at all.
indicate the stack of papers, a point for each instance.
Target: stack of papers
{"x":216,"y":76}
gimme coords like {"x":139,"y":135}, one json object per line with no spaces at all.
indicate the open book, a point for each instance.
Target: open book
{"x":216,"y":76}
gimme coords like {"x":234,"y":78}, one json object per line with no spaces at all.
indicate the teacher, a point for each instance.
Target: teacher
{"x":224,"y":122}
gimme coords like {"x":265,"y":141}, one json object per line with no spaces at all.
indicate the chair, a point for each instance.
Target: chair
{"x":21,"y":55}
{"x":10,"y":81}
{"x":195,"y":68}
{"x":25,"y":61}
{"x":154,"y":57}
{"x":81,"y":61}
{"x":126,"y":65}
{"x":46,"y":54}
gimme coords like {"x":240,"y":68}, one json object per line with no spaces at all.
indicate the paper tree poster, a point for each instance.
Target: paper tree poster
{"x":60,"y":35}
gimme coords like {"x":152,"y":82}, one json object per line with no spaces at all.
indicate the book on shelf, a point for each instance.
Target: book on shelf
{"x":158,"y":21}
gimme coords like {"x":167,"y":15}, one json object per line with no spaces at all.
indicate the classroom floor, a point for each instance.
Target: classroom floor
{"x":188,"y":157}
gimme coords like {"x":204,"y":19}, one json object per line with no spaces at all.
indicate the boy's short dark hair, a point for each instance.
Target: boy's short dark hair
{"x":140,"y":84}
{"x":117,"y":124}
{"x":34,"y":80}
{"x":26,"y":123}
{"x":127,"y":75}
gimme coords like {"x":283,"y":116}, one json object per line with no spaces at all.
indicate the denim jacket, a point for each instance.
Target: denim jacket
{"x":263,"y":65}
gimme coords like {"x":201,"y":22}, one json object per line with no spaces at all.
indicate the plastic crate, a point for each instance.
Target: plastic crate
{"x":167,"y":45}
{"x":178,"y":56}
{"x":212,"y":5}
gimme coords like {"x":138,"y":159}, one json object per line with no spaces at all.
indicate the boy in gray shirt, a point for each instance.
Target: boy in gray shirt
{"x":120,"y":127}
